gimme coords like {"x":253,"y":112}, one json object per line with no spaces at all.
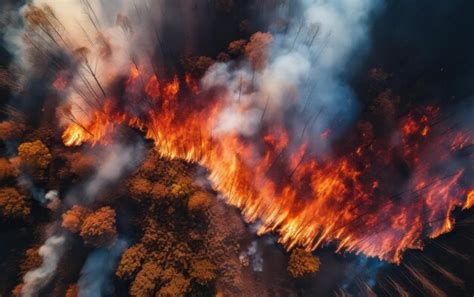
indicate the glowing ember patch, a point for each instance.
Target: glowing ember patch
{"x":75,"y":135}
{"x":410,"y":127}
{"x":425,"y":131}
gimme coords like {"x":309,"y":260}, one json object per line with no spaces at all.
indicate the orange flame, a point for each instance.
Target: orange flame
{"x":308,"y":202}
{"x":470,"y":200}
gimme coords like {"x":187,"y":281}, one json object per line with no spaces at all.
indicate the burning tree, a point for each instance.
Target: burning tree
{"x":13,"y":204}
{"x":146,"y":280}
{"x":98,"y":228}
{"x":159,"y":191}
{"x":197,"y":66}
{"x":302,"y":263}
{"x":131,"y":262}
{"x":203,"y":271}
{"x":178,"y":285}
{"x":152,"y":280}
{"x":140,"y":188}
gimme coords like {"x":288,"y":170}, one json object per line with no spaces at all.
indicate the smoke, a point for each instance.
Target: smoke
{"x":24,"y":180}
{"x":118,"y":159}
{"x":51,"y":252}
{"x":364,"y":269}
{"x":255,"y":254}
{"x":307,"y":71}
{"x":95,"y":275}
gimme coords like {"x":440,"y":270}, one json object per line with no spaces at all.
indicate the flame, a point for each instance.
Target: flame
{"x":309,"y":202}
{"x":191,"y":84}
{"x":152,"y":87}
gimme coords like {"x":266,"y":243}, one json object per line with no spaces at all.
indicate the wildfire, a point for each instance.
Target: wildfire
{"x":469,"y":200}
{"x":75,"y":135}
{"x":307,"y":201}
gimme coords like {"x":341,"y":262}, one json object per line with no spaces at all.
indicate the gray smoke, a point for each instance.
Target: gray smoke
{"x":307,"y":69}
{"x":24,"y":180}
{"x":51,"y":252}
{"x":95,"y":275}
{"x":255,"y":254}
{"x":117,"y":160}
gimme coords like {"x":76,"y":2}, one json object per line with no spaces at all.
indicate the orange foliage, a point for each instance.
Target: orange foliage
{"x":98,"y":228}
{"x":263,"y":177}
{"x":257,"y":50}
{"x":12,"y":204}
{"x":302,"y":263}
{"x":199,"y":201}
{"x":146,"y":280}
{"x":73,"y":218}
{"x":177,"y":286}
{"x":131,"y":261}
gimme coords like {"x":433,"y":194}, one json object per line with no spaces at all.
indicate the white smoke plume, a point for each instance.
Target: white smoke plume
{"x":118,"y":159}
{"x":51,"y":195}
{"x":255,"y":254}
{"x":51,"y":252}
{"x":307,"y":69}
